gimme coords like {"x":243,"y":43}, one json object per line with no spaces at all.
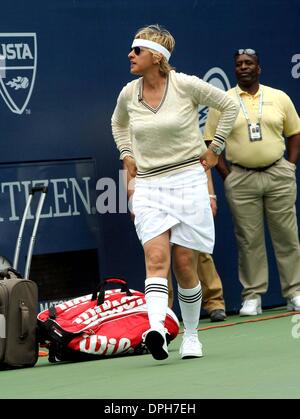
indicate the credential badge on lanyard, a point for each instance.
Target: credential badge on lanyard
{"x":254,"y":129}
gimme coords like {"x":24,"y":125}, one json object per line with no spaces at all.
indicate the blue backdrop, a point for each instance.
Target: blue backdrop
{"x":66,"y":61}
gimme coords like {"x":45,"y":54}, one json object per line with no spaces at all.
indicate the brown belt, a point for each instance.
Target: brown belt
{"x":256,"y":169}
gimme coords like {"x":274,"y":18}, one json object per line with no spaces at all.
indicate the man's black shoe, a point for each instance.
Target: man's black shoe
{"x":217,"y":315}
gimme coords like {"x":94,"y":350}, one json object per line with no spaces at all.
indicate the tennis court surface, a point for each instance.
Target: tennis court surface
{"x":243,"y":358}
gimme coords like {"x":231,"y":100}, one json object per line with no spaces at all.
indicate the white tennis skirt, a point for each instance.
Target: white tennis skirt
{"x":179,"y":203}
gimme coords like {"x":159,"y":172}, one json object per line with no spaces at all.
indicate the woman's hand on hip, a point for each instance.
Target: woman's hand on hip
{"x":130,"y":165}
{"x":209,"y":159}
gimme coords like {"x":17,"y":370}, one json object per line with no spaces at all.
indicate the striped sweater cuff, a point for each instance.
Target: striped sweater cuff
{"x":218,"y":141}
{"x":125,"y":152}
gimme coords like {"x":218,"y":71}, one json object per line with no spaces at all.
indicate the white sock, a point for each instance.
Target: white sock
{"x":156,"y":293}
{"x":190,"y":306}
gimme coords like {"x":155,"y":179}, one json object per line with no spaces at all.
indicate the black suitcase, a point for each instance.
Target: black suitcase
{"x":19,"y":301}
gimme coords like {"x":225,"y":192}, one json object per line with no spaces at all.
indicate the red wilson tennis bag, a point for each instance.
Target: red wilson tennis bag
{"x":105,"y":323}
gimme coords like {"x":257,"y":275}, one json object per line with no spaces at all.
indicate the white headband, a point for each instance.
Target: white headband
{"x":153,"y":45}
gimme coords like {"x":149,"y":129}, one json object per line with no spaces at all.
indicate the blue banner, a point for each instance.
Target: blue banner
{"x":62,"y":66}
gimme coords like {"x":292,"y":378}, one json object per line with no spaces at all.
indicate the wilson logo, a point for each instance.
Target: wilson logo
{"x":18,"y":63}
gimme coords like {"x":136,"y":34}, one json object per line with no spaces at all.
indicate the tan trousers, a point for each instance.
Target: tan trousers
{"x":254,"y":196}
{"x":212,"y":290}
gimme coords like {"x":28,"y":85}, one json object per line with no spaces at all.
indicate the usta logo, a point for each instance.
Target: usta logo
{"x":18,"y":63}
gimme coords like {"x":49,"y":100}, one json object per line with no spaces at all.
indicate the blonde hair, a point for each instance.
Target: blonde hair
{"x":157,"y":33}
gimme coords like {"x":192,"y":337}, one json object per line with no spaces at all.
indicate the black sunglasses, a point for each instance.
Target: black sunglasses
{"x":247,"y":51}
{"x":136,"y":50}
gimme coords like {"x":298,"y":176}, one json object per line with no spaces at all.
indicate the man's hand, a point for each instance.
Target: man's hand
{"x":209,"y":159}
{"x":130,"y":165}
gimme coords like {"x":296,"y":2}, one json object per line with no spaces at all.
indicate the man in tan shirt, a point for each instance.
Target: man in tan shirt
{"x":260,"y":183}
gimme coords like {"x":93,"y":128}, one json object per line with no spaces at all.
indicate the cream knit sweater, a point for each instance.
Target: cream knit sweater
{"x":168,"y":139}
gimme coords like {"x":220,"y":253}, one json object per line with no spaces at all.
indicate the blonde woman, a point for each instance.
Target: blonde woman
{"x":155,"y":127}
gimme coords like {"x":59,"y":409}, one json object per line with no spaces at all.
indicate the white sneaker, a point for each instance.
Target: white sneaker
{"x":156,"y":343}
{"x":190,"y":347}
{"x":251,"y":307}
{"x":293,"y":303}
